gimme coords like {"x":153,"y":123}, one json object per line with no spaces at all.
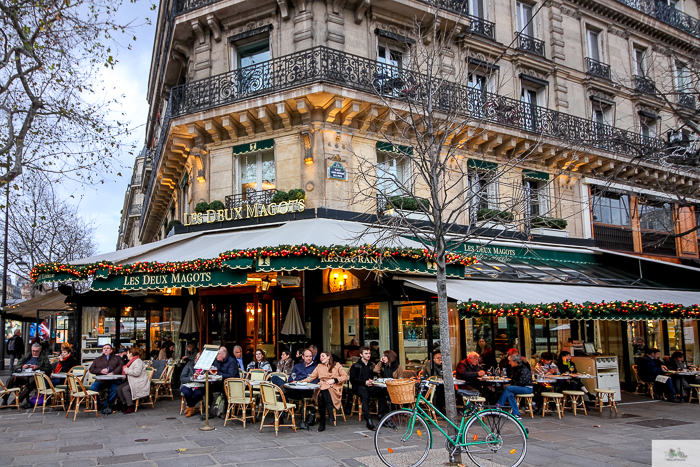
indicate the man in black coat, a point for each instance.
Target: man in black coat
{"x":15,"y":348}
{"x":361,"y":374}
{"x":650,"y":367}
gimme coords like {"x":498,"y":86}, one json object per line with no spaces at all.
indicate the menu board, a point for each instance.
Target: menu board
{"x":206,"y":360}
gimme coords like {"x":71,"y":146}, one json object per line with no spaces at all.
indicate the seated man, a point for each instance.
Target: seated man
{"x":433,"y":367}
{"x":33,"y":361}
{"x":546,"y":365}
{"x":521,"y":383}
{"x":361,"y":373}
{"x":107,"y":364}
{"x":680,"y":382}
{"x":649,"y":368}
{"x":470,"y":371}
{"x":226,"y":367}
{"x":65,"y":362}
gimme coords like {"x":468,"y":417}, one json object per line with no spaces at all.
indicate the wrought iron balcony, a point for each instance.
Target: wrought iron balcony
{"x":183,"y":6}
{"x":662,"y":11}
{"x":482,"y":27}
{"x":686,"y":100}
{"x":136,"y":179}
{"x":250,"y":197}
{"x":596,"y":68}
{"x":644,"y":85}
{"x":135,"y":210}
{"x":530,"y":44}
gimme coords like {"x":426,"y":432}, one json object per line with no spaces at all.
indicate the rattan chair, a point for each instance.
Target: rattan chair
{"x":151,"y":400}
{"x":4,"y":391}
{"x":45,"y":388}
{"x":279,"y":374}
{"x":78,"y":394}
{"x":270,"y":403}
{"x":694,"y":389}
{"x":239,"y":395}
{"x":164,"y":383}
{"x":641,"y":384}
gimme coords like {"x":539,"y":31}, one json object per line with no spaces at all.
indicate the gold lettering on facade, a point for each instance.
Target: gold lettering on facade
{"x":263,"y":211}
{"x":229,"y":217}
{"x":211,"y":216}
{"x":220,"y":215}
{"x":283,"y":207}
{"x":239,"y":213}
{"x":255,"y":210}
{"x":251,"y":211}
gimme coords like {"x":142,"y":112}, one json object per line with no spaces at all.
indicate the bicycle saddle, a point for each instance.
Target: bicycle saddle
{"x":466,"y":393}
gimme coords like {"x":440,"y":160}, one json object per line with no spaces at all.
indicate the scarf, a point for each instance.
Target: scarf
{"x":133,"y":359}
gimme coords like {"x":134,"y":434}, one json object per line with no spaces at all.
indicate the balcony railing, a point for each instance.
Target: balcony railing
{"x":658,"y":243}
{"x":662,"y":11}
{"x":613,"y":238}
{"x":596,"y":68}
{"x":686,"y":100}
{"x":530,"y":44}
{"x":482,"y":27}
{"x":644,"y":85}
{"x":184,"y":6}
{"x":136,"y":179}
{"x":250,"y":197}
{"x":135,"y":209}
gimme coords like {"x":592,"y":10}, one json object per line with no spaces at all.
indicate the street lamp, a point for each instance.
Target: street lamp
{"x":265,"y":284}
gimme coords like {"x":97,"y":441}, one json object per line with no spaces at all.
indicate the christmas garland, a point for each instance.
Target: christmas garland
{"x":106,"y":268}
{"x":587,"y":310}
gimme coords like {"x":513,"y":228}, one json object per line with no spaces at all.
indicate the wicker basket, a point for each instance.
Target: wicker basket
{"x":401,"y":391}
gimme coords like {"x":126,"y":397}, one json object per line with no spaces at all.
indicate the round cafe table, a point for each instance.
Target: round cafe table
{"x":495,"y":380}
{"x":59,"y":375}
{"x":301,"y":387}
{"x":109,"y":377}
{"x":26,"y":374}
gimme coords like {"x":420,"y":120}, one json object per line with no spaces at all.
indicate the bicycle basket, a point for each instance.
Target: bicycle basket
{"x":401,"y":391}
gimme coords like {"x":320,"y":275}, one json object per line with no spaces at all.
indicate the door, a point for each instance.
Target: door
{"x":593,"y":45}
{"x":525,"y":26}
{"x":530,"y":101}
{"x":253,"y":66}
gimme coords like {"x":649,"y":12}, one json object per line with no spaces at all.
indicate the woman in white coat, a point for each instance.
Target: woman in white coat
{"x":137,"y":383}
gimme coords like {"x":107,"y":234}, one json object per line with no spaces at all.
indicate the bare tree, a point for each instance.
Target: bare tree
{"x":53,"y":116}
{"x":44,"y":228}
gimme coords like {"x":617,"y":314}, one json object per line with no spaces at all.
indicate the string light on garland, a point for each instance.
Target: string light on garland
{"x":105,"y":269}
{"x":588,"y":310}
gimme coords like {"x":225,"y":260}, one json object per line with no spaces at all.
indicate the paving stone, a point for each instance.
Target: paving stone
{"x":120,"y":459}
{"x":85,"y":447}
{"x":315,"y":462}
{"x":199,"y":461}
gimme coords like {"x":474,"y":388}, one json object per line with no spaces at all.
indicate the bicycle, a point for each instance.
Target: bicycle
{"x":489,"y":436}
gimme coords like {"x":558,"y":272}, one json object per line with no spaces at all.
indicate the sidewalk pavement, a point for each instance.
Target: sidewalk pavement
{"x":161,"y":437}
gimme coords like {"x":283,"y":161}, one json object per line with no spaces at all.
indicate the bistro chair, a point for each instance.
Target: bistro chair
{"x":357,"y":407}
{"x":552,"y":398}
{"x":270,"y":393}
{"x":78,"y":394}
{"x":694,"y":389}
{"x":527,"y":400}
{"x":164,"y":383}
{"x":151,"y":400}
{"x":9,"y":392}
{"x":574,"y":398}
{"x":239,"y":395}
{"x":183,"y":404}
{"x":77,"y":370}
{"x":342,"y":409}
{"x":256,"y":374}
{"x":603,"y":395}
{"x":641,"y":384}
{"x":279,"y":374}
{"x":45,"y":388}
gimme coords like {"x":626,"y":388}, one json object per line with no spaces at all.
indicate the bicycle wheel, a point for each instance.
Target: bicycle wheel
{"x":399,"y":445}
{"x":506,"y":442}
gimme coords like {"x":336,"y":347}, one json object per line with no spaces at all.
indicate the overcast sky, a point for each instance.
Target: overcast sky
{"x":129,"y":78}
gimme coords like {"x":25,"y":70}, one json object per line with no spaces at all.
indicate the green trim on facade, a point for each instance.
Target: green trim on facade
{"x":403,"y":265}
{"x":253,"y":147}
{"x":482,"y":165}
{"x":535,"y":175}
{"x":510,"y":253}
{"x":395,"y":149}
{"x":213,"y":278}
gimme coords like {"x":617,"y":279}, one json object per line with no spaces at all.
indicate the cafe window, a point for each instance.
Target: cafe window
{"x":339,"y":280}
{"x":416,"y":331}
{"x":257,"y":171}
{"x":610,"y":208}
{"x":656,"y":216}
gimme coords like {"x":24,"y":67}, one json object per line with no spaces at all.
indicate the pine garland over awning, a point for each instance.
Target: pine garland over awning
{"x":629,"y":310}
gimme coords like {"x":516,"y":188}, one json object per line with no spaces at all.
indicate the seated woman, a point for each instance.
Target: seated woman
{"x":545,"y":366}
{"x":66,"y":361}
{"x":285,"y":363}
{"x":167,"y":352}
{"x":192,"y":395}
{"x":564,"y":365}
{"x":260,"y":362}
{"x":680,"y":382}
{"x":137,"y":384}
{"x":388,"y":367}
{"x":331,"y":377}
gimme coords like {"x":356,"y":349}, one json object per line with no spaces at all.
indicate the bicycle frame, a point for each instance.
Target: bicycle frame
{"x":418,"y":411}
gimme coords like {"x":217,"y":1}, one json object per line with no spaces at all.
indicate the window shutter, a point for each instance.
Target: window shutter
{"x":492,"y":193}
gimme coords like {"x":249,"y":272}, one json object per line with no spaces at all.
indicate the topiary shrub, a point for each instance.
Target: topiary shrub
{"x":494,"y":215}
{"x":550,"y":223}
{"x":297,"y":193}
{"x":407,"y":203}
{"x":216,"y":205}
{"x":280,"y":197}
{"x":172,"y":224}
{"x":201,"y":207}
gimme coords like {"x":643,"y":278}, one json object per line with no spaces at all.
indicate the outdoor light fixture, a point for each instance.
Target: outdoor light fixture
{"x":192,"y":290}
{"x":265,"y":284}
{"x":308,"y":155}
{"x":22,"y":264}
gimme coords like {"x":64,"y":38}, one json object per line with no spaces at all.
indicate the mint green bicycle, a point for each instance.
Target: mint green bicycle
{"x":490,"y":437}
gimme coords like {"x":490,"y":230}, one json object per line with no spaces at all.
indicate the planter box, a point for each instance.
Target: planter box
{"x":414,"y":215}
{"x":497,"y":226}
{"x":550,"y":232}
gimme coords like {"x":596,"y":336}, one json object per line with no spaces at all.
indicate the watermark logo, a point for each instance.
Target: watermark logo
{"x":671,"y":452}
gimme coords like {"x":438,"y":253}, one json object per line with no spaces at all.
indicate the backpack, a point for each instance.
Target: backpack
{"x":11,"y":344}
{"x":218,"y":407}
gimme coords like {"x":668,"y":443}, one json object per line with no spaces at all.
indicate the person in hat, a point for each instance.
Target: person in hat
{"x":122,"y":351}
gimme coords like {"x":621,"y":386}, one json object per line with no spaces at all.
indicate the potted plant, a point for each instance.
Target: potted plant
{"x":172,"y":224}
{"x":408,"y":207}
{"x":551,"y":226}
{"x":216,"y":205}
{"x":201,"y":207}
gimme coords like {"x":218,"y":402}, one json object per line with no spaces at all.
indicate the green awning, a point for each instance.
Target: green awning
{"x":185,"y":179}
{"x":214,"y":278}
{"x":396,"y":149}
{"x":300,"y":263}
{"x":482,"y":165}
{"x":535,"y":175}
{"x":510,"y":253}
{"x":253,"y":147}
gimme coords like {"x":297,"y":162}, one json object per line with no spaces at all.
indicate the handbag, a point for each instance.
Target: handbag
{"x":34,"y":398}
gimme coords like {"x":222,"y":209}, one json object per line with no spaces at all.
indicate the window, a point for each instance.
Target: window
{"x":611,"y":208}
{"x":252,"y":62}
{"x":640,"y":62}
{"x":530,"y":99}
{"x":647,"y":126}
{"x":657,"y":216}
{"x":525,"y":25}
{"x":476,"y":8}
{"x":483,"y":191}
{"x":602,"y":112}
{"x":478,"y":89}
{"x":682,"y":77}
{"x":390,"y":55}
{"x":393,"y":174}
{"x":257,"y":171}
{"x":593,"y":44}
{"x":536,"y":198}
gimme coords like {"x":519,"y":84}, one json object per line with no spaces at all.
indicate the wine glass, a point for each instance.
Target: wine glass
{"x":213,"y":370}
